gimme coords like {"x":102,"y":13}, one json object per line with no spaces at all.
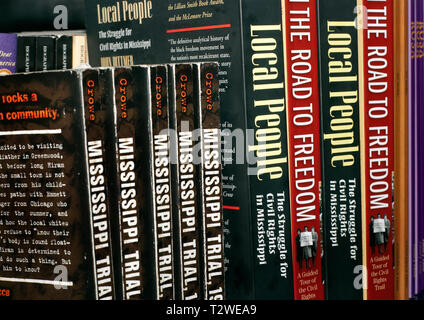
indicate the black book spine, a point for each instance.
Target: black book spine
{"x":96,"y":104}
{"x":268,"y":170}
{"x":340,"y":148}
{"x":26,"y":54}
{"x":45,"y":53}
{"x":64,"y":52}
{"x":155,"y":122}
{"x":185,"y":183}
{"x":210,"y":173}
{"x":131,"y":198}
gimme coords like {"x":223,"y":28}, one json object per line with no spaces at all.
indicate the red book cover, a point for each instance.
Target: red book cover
{"x":375,"y":34}
{"x":302,"y":94}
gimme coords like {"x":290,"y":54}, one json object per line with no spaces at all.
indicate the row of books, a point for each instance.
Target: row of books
{"x":42,"y":51}
{"x":314,"y":140}
{"x":110,"y":184}
{"x":307,"y":119}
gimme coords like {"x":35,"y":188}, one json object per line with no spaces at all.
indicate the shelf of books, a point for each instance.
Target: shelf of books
{"x":212,"y":150}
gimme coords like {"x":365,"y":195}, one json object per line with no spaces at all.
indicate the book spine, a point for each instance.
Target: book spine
{"x":412,"y":147}
{"x":131,"y":200}
{"x":95,"y":110}
{"x":419,"y":43}
{"x":208,"y":118}
{"x":401,"y":58}
{"x":64,"y":52}
{"x":8,"y":50}
{"x":159,"y":142}
{"x":302,"y":100}
{"x":79,"y":50}
{"x":267,"y":150}
{"x":340,"y":145}
{"x":375,"y":36}
{"x":45,"y":53}
{"x":186,"y":185}
{"x":26,"y":54}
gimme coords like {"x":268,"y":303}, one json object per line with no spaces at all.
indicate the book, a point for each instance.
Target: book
{"x":375,"y":35}
{"x":46,"y":250}
{"x":26,"y":15}
{"x":303,"y":122}
{"x":45,"y":58}
{"x":401,"y":58}
{"x":26,"y":53}
{"x":8,"y":53}
{"x":207,"y":113}
{"x":412,"y":148}
{"x":64,"y":52}
{"x":419,"y":131}
{"x":268,"y":150}
{"x":340,"y":148}
{"x":98,"y":109}
{"x":136,"y":260}
{"x":186,"y":186}
{"x":165,"y":33}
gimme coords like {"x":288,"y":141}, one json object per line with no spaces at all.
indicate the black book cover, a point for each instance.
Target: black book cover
{"x":340,"y":148}
{"x":207,"y":110}
{"x":185,"y":183}
{"x":136,"y":225}
{"x":172,"y":31}
{"x":26,"y":54}
{"x":97,"y":102}
{"x":64,"y":52}
{"x":29,"y":15}
{"x":45,"y":247}
{"x":45,"y":53}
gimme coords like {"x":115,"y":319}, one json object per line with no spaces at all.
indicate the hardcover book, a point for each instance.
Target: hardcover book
{"x":340,"y":148}
{"x":45,"y":245}
{"x":45,"y":58}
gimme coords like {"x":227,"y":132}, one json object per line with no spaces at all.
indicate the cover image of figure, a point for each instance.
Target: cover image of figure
{"x":306,"y":247}
{"x":378,"y":227}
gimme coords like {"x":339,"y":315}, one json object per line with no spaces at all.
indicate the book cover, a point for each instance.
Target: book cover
{"x":45,"y":53}
{"x":26,"y":53}
{"x":267,"y":149}
{"x":401,"y":58}
{"x":79,"y":50}
{"x":97,"y":104}
{"x":186,"y":186}
{"x":302,"y":102}
{"x":340,"y":145}
{"x":8,"y":53}
{"x":63,"y":52}
{"x":27,"y":15}
{"x":375,"y":35}
{"x":208,"y":123}
{"x":45,"y":247}
{"x":171,"y":31}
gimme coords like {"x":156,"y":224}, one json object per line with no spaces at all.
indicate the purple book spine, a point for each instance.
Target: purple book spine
{"x":8,"y":53}
{"x":411,"y":115}
{"x":420,"y":141}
